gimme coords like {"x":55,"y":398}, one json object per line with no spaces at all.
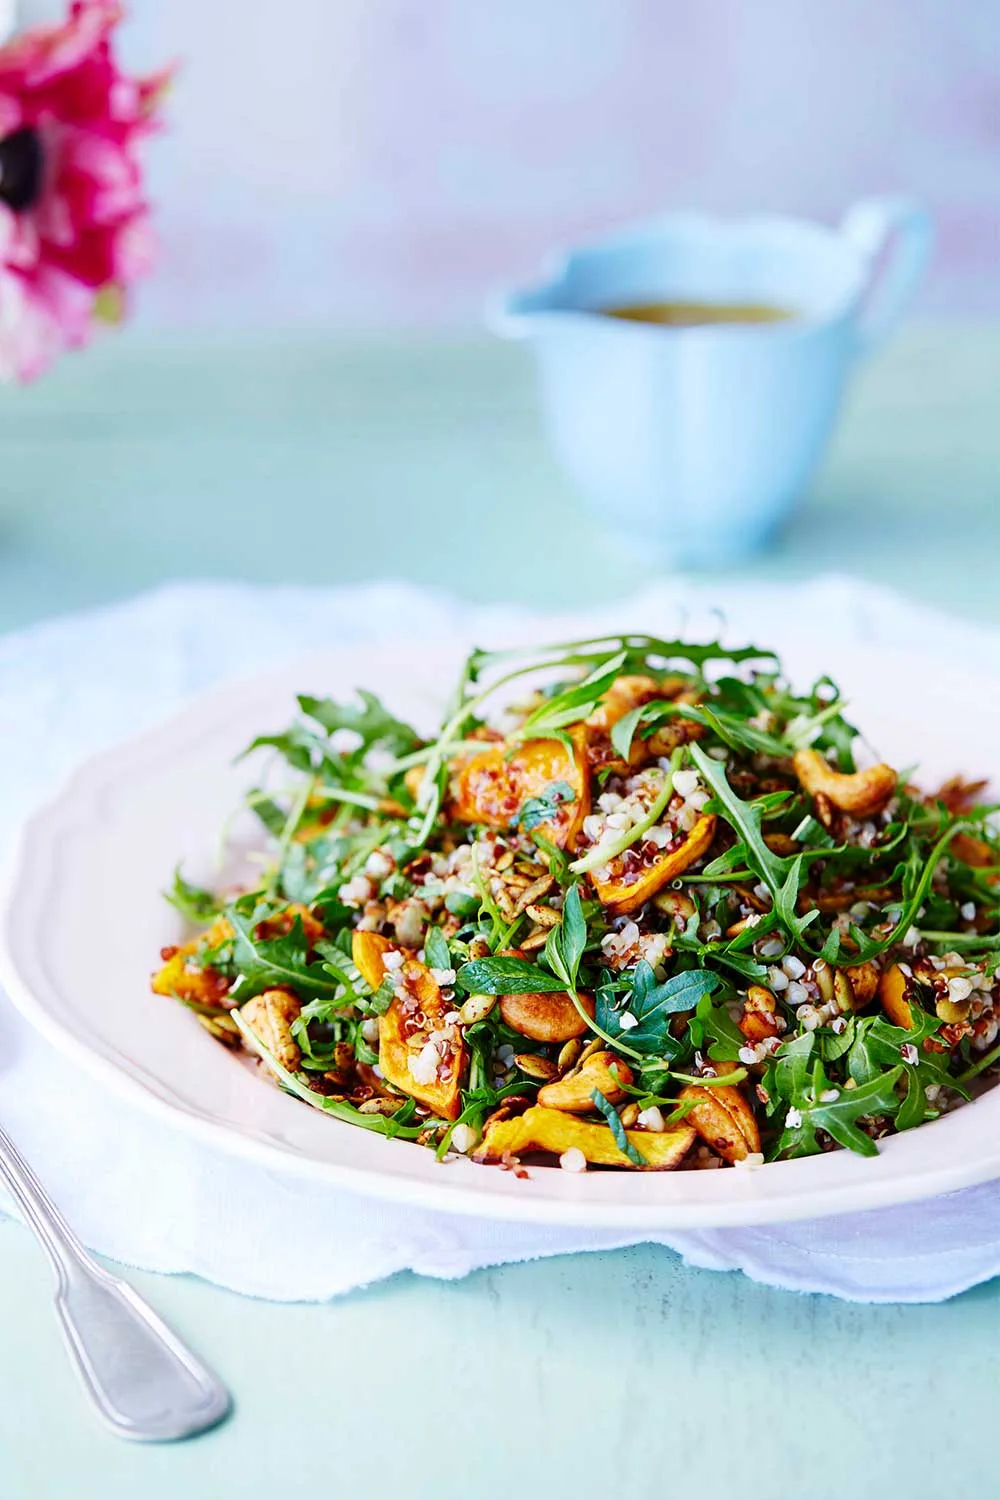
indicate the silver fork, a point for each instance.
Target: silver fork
{"x":145,"y":1383}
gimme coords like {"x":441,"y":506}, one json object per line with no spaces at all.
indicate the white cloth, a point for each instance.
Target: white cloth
{"x":150,"y":1196}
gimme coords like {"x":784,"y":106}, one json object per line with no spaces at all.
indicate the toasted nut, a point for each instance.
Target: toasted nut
{"x":569,"y":1054}
{"x":540,"y":1129}
{"x":826,"y":815}
{"x":575,"y":1092}
{"x":533,"y":892}
{"x":781,"y":844}
{"x":476,"y":1008}
{"x":546,"y":1017}
{"x":536,"y":1066}
{"x":823,"y":974}
{"x":380,"y":1106}
{"x":952,"y":1011}
{"x":505,"y":860}
{"x":629,"y":1115}
{"x":724,"y":1119}
{"x":596,"y":1044}
{"x":864,"y":982}
{"x":675,"y":904}
{"x":543,"y":915}
{"x":843,"y":992}
{"x":535,"y":940}
{"x":861,"y":793}
{"x":759,"y":1018}
{"x":270,"y":1016}
{"x":893,"y":991}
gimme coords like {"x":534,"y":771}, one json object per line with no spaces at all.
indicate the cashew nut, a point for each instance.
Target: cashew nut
{"x":270,"y":1016}
{"x":574,"y":1093}
{"x":548,"y":1017}
{"x":724,"y":1119}
{"x":861,"y":793}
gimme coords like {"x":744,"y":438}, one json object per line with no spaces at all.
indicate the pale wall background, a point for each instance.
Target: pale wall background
{"x":386,"y":162}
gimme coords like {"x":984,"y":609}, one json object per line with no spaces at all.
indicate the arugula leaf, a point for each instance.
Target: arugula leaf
{"x":837,"y":1116}
{"x":571,"y":705}
{"x":371,"y":722}
{"x":266,"y":963}
{"x":783,"y":877}
{"x":613,"y":1119}
{"x":194,"y":902}
{"x":648,"y":1007}
{"x":538,"y":810}
{"x":507,"y":976}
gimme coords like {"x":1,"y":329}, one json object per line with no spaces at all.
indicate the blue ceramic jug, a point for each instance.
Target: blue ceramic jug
{"x":695,"y":441}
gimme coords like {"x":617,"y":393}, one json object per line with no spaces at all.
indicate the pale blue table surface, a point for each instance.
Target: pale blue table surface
{"x":608,"y":1375}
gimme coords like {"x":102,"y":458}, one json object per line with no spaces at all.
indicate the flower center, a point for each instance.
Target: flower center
{"x":20,"y":169}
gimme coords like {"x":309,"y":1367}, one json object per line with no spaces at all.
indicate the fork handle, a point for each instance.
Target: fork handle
{"x":145,"y":1382}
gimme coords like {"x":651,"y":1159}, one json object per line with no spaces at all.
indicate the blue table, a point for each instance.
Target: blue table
{"x":615,"y":1374}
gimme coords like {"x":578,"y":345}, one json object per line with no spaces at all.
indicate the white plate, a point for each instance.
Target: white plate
{"x":84,"y":921}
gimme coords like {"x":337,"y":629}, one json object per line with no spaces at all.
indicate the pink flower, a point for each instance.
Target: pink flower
{"x":74,"y":222}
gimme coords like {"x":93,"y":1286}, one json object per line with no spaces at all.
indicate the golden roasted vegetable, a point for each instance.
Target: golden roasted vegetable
{"x":626,"y":890}
{"x":760,"y":1015}
{"x":540,"y":1129}
{"x":893,"y":991}
{"x":548,"y":1016}
{"x":574,"y":1093}
{"x":368,"y":950}
{"x":861,"y":793}
{"x":420,"y":1052}
{"x":270,"y":1016}
{"x":493,"y":785}
{"x":188,"y":980}
{"x":724,"y":1119}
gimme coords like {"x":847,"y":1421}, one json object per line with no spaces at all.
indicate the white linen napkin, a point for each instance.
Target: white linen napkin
{"x":151,"y":1196}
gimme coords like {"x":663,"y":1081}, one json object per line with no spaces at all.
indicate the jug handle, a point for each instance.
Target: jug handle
{"x":899,"y":232}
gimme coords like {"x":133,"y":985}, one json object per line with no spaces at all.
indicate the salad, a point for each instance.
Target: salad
{"x":634,"y":905}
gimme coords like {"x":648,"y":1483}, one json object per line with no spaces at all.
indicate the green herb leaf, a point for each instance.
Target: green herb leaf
{"x":507,"y":976}
{"x":437,"y":954}
{"x":538,"y":810}
{"x":613,"y":1118}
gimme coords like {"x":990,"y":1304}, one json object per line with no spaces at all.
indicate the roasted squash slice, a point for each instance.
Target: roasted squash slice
{"x":418,"y":1051}
{"x":541,"y":1129}
{"x":492,"y":787}
{"x":626,"y":890}
{"x":188,"y":981}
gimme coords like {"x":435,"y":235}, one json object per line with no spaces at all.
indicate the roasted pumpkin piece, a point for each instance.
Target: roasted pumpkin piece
{"x":630,"y":884}
{"x":541,"y":1129}
{"x":181,"y":974}
{"x":367,"y":951}
{"x":185,"y":980}
{"x":492,"y":786}
{"x":420,"y":1052}
{"x":724,"y":1119}
{"x":894,"y":992}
